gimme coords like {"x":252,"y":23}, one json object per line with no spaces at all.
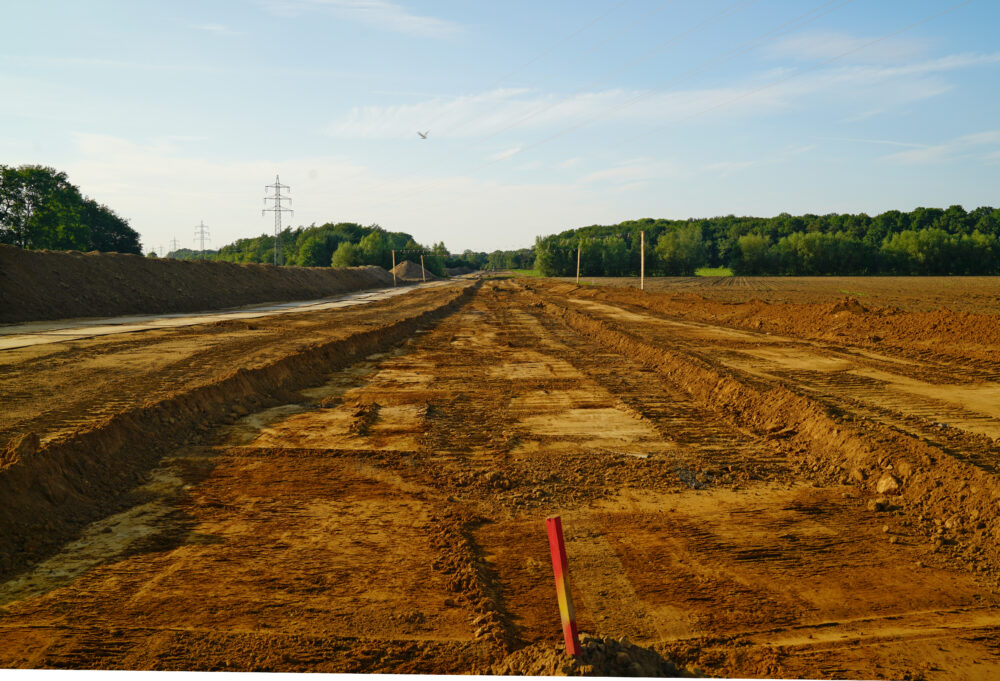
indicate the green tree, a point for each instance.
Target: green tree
{"x":108,"y":230}
{"x":591,"y":257}
{"x":554,"y":257}
{"x":41,"y":208}
{"x":753,"y":255}
{"x":313,"y":252}
{"x":374,"y":249}
{"x":346,"y":255}
{"x":615,"y":257}
{"x":681,"y":251}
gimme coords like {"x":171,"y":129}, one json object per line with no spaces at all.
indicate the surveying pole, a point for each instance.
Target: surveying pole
{"x":422,"y":270}
{"x":579,"y":247}
{"x":394,"y":268}
{"x":276,"y":208}
{"x":642,"y":261}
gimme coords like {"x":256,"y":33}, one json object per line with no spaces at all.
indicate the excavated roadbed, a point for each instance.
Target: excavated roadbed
{"x":751,"y":490}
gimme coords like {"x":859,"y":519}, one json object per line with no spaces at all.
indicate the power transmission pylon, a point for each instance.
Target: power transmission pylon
{"x":201,"y":236}
{"x":277,"y":209}
{"x":174,"y":245}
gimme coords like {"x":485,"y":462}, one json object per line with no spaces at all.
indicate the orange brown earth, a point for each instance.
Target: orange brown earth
{"x":960,"y":294}
{"x":751,"y":489}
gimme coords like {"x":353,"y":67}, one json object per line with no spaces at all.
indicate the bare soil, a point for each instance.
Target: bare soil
{"x":37,"y":285}
{"x":750,"y":489}
{"x":957,"y":294}
{"x":411,"y":271}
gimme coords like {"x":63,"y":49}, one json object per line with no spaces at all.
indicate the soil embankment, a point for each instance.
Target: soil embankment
{"x":37,"y":285}
{"x":411,"y":271}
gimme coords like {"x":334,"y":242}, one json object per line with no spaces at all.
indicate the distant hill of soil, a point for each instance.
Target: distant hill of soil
{"x":37,"y":285}
{"x":458,"y":271}
{"x":411,"y":271}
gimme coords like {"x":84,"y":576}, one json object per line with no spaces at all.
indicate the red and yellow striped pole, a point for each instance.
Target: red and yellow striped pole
{"x":560,"y":567}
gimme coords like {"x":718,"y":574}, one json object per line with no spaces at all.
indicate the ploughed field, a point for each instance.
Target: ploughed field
{"x":962,"y":294}
{"x":761,"y":488}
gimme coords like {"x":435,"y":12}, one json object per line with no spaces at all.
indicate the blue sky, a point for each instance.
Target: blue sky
{"x":542,"y":115}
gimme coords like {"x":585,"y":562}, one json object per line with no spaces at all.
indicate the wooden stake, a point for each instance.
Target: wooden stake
{"x":578,"y":249}
{"x":642,"y":261}
{"x":394,"y":268}
{"x":560,"y":568}
{"x":422,"y":270}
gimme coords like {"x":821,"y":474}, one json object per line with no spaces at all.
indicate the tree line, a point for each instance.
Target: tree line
{"x":41,"y":208}
{"x":341,"y":244}
{"x":923,"y":241}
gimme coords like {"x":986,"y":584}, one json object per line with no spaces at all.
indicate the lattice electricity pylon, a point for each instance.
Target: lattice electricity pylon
{"x":277,"y":209}
{"x":201,"y":236}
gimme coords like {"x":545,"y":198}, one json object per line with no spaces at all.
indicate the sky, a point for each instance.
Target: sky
{"x":541,"y":116}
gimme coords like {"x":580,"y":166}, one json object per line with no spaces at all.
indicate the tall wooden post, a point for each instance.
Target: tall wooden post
{"x":394,"y":268}
{"x":642,"y":261}
{"x":423,"y":272}
{"x":578,"y":249}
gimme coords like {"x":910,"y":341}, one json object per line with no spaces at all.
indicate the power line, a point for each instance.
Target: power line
{"x":276,"y":208}
{"x":594,"y":48}
{"x":815,"y":13}
{"x":794,"y":24}
{"x":201,"y":236}
{"x":704,"y":25}
{"x":725,"y":13}
{"x":584,"y":53}
{"x":801,"y":72}
{"x":538,"y":56}
{"x":377,"y":186}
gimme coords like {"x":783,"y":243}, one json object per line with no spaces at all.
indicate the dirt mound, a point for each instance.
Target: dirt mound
{"x":411,"y":271}
{"x":848,"y":304}
{"x":601,"y":657}
{"x":37,"y":285}
{"x":459,"y":271}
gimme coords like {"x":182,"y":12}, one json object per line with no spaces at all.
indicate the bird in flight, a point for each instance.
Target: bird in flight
{"x":423,"y":135}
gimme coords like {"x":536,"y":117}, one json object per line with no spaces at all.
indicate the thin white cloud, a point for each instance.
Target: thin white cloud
{"x":870,"y":89}
{"x":530,"y":165}
{"x":380,"y":14}
{"x":951,"y":62}
{"x":796,"y":150}
{"x":164,"y":191}
{"x":821,"y":45}
{"x":219,"y":29}
{"x":727,"y":168}
{"x":633,"y":172}
{"x":94,"y":62}
{"x":485,"y":113}
{"x":891,"y":143}
{"x":570,"y":162}
{"x":508,"y":153}
{"x":981,"y":145}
